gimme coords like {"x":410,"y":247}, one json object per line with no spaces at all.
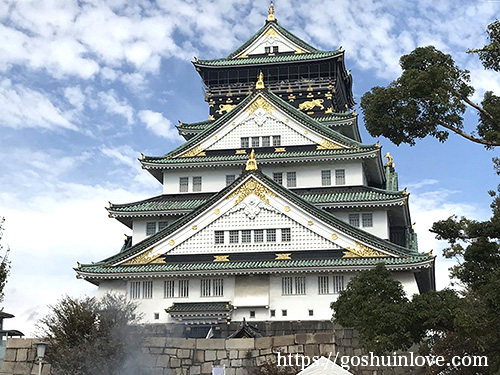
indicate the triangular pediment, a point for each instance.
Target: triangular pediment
{"x":255,"y":203}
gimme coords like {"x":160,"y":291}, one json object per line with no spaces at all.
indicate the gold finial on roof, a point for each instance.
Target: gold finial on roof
{"x":251,"y":162}
{"x":260,"y":81}
{"x":79,"y":264}
{"x":270,"y":16}
{"x":196,"y":59}
{"x":390,"y":160}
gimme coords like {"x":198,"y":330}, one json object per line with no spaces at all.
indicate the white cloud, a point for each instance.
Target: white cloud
{"x":22,"y":107}
{"x":110,"y":101}
{"x":158,"y":124}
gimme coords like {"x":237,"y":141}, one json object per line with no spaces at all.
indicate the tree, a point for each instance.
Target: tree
{"x":4,"y":263}
{"x":88,"y":336}
{"x":431,"y":96}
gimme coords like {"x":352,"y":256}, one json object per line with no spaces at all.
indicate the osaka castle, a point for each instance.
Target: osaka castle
{"x":271,"y":205}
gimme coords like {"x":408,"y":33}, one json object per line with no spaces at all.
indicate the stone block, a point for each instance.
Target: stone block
{"x":46,"y":369}
{"x":265,"y":351}
{"x":236,"y":363}
{"x":233,"y":354}
{"x":22,"y":355}
{"x":323,"y":338}
{"x":186,"y":362}
{"x":206,"y":368}
{"x":263,"y":342}
{"x":181,"y":343}
{"x":210,"y":355}
{"x":210,"y":343}
{"x":301,"y":338}
{"x":292,"y":349}
{"x":283,"y":340}
{"x":183,"y":353}
{"x":7,"y":367}
{"x":157,"y":371}
{"x":171,"y":351}
{"x":10,"y":354}
{"x":311,"y":350}
{"x":240,"y":343}
{"x":254,"y":353}
{"x":175,"y":362}
{"x":230,"y":371}
{"x":221,"y":354}
{"x":199,"y":356}
{"x":261,"y":360}
{"x":162,"y":360}
{"x":195,"y":370}
{"x":326,"y":349}
{"x":22,"y":368}
{"x":224,"y":362}
{"x":241,"y":371}
{"x":158,"y":342}
{"x":20,"y":343}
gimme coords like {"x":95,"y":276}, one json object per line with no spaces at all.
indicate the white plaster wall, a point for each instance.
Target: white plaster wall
{"x":380,"y":221}
{"x":212,"y":179}
{"x":409,"y":283}
{"x":139,"y":226}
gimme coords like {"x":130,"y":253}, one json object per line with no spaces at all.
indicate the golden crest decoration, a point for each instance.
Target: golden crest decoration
{"x":252,"y":186}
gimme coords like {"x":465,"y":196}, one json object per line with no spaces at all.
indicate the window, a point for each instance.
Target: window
{"x":230,"y":179}
{"x":293,"y":285}
{"x":147,"y":289}
{"x":267,"y":49}
{"x":311,"y":312}
{"x":212,"y":287}
{"x":367,"y":220}
{"x":276,"y":140}
{"x":291,"y":179}
{"x":150,"y":228}
{"x":326,"y":178}
{"x":284,"y":312}
{"x":271,"y":235}
{"x":287,"y":285}
{"x":286,"y":235}
{"x":246,"y":236}
{"x":183,"y":288}
{"x":339,"y":176}
{"x":162,"y":225}
{"x":278,"y":177}
{"x":323,"y":285}
{"x":206,"y":288}
{"x":219,"y":237}
{"x":273,"y":313}
{"x":197,"y":183}
{"x":252,"y":314}
{"x":330,"y":284}
{"x":258,"y":235}
{"x":234,"y":236}
{"x":157,"y":315}
{"x":183,"y":184}
{"x":266,"y":141}
{"x":218,"y":287}
{"x":255,"y":142}
{"x":135,"y":290}
{"x":168,"y":289}
{"x":275,"y":49}
{"x":245,"y":143}
{"x":354,"y":220}
{"x":338,"y":284}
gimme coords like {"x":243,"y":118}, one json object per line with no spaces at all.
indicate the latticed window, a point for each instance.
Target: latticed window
{"x":234,"y":236}
{"x":300,"y":285}
{"x":135,"y":289}
{"x":339,"y":176}
{"x":326,"y":178}
{"x":245,"y":142}
{"x":323,"y":285}
{"x":206,"y":288}
{"x":183,"y":184}
{"x":354,"y":220}
{"x":162,"y":225}
{"x":255,"y":142}
{"x":218,"y":287}
{"x":271,"y":235}
{"x":287,"y":285}
{"x":367,"y":220}
{"x":286,"y":235}
{"x":267,"y":49}
{"x":246,"y":236}
{"x":219,"y":237}
{"x":212,"y":287}
{"x":184,"y":288}
{"x":278,"y":177}
{"x":258,"y":235}
{"x":276,"y":140}
{"x":266,"y":141}
{"x":168,"y":289}
{"x":150,"y":228}
{"x":197,"y":183}
{"x":275,"y":49}
{"x":230,"y":179}
{"x":291,"y":179}
{"x":338,"y":284}
{"x":147,"y":289}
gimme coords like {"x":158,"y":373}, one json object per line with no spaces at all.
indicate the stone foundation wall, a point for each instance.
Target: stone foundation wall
{"x":179,"y":356}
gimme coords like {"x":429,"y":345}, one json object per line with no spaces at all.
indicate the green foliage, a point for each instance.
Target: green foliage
{"x":92,"y":337}
{"x":4,"y":263}
{"x":490,"y":54}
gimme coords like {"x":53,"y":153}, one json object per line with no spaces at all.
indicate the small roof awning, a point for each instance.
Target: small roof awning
{"x":201,"y":312}
{"x":11,"y":333}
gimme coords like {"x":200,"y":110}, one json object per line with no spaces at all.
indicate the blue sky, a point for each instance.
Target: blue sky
{"x":86,"y":86}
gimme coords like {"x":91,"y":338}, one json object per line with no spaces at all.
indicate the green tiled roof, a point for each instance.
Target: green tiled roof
{"x":269,"y":59}
{"x":251,"y":265}
{"x":195,"y":125}
{"x":200,"y":307}
{"x":372,"y":195}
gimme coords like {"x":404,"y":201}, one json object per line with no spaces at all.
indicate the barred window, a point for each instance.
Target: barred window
{"x":323,"y":285}
{"x":287,"y":285}
{"x":255,"y":142}
{"x":326,"y":178}
{"x":276,"y":140}
{"x":286,"y":235}
{"x":197,"y":183}
{"x":267,"y":49}
{"x":168,"y":288}
{"x":234,"y":236}
{"x":230,"y":179}
{"x":291,"y":179}
{"x":218,"y":287}
{"x":354,"y":220}
{"x":330,"y":284}
{"x":135,"y":289}
{"x":266,"y":141}
{"x":284,"y":313}
{"x":183,"y":184}
{"x":339,"y":176}
{"x":183,"y":288}
{"x":206,"y":288}
{"x":300,"y":285}
{"x":367,"y":220}
{"x":311,"y":312}
{"x":293,"y":285}
{"x":272,"y":313}
{"x":278,"y":177}
{"x":338,"y":284}
{"x":246,"y":236}
{"x":219,"y":237}
{"x":258,"y":235}
{"x":147,"y":289}
{"x":245,"y":142}
{"x":162,"y":225}
{"x":212,"y":287}
{"x":150,"y":228}
{"x":275,"y":49}
{"x":271,"y":235}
